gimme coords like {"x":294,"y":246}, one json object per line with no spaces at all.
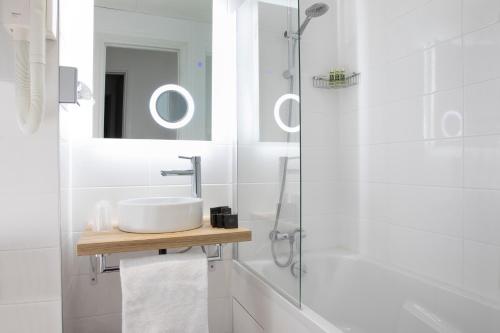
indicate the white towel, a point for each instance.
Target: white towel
{"x":165,"y":293}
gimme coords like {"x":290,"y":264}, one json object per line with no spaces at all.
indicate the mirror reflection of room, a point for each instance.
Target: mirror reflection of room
{"x":150,"y":46}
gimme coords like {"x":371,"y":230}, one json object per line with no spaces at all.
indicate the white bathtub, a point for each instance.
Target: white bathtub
{"x":345,"y":292}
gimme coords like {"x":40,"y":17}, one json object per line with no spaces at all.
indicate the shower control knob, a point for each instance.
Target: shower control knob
{"x":276,"y":235}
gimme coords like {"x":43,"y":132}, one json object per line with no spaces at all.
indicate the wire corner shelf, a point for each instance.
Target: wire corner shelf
{"x":323,"y":81}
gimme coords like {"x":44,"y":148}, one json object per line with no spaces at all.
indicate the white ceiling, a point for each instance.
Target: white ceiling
{"x":195,"y":10}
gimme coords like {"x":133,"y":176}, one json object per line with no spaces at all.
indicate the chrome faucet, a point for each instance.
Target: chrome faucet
{"x":195,"y":174}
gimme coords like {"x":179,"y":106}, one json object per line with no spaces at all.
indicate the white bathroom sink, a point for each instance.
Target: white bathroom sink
{"x":162,"y":214}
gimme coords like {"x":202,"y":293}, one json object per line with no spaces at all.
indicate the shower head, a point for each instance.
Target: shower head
{"x":315,"y":10}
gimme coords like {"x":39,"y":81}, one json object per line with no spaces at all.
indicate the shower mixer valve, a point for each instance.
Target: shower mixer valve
{"x":278,"y":235}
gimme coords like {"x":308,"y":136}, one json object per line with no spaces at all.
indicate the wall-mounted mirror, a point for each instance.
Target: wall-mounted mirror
{"x":152,"y":69}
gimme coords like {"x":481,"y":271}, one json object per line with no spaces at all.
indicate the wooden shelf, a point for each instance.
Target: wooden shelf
{"x":119,"y":241}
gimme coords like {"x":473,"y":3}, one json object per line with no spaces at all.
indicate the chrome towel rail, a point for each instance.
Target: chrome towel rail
{"x":98,"y":262}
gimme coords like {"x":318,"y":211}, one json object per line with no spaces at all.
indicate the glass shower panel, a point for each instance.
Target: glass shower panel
{"x":268,"y":158}
{"x":399,"y":172}
{"x":326,"y":220}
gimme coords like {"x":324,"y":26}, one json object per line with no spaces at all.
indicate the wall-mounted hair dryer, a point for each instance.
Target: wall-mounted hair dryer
{"x":30,"y":22}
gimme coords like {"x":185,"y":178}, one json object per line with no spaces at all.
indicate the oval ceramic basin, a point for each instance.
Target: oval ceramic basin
{"x":156,"y":215}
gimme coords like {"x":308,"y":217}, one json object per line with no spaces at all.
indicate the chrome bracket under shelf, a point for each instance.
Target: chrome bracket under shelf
{"x":99,"y":265}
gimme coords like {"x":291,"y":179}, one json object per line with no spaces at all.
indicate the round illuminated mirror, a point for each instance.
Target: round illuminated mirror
{"x":171,"y":106}
{"x":277,"y":117}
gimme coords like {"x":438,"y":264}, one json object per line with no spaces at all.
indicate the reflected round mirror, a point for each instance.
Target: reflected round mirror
{"x":277,"y":116}
{"x":171,"y":106}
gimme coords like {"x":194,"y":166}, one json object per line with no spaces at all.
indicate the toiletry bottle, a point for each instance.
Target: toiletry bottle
{"x":342,"y":76}
{"x":331,"y":80}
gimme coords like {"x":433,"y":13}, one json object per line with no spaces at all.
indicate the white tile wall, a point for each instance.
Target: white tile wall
{"x":112,"y":170}
{"x":18,"y":175}
{"x":482,"y":156}
{"x":416,"y":251}
{"x":112,"y":324}
{"x":418,"y":156}
{"x":30,"y":278}
{"x":6,"y":68}
{"x":428,"y":71}
{"x":482,"y":269}
{"x":414,"y":149}
{"x":481,"y":51}
{"x":257,"y":199}
{"x":481,"y":211}
{"x":31,"y":317}
{"x":434,"y":116}
{"x":81,"y":299}
{"x":481,"y":105}
{"x":32,"y":275}
{"x":419,"y":148}
{"x":37,"y":227}
{"x":480,"y":13}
